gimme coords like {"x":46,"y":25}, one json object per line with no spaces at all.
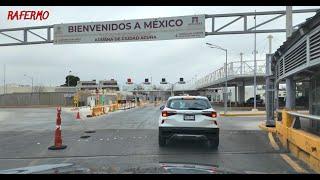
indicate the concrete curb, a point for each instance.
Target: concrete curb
{"x":243,"y":114}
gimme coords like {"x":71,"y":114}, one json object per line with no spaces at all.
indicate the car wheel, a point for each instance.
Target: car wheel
{"x":213,"y":143}
{"x":162,"y":141}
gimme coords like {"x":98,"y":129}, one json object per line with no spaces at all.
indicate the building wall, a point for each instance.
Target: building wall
{"x":29,"y":99}
{"x":14,"y":88}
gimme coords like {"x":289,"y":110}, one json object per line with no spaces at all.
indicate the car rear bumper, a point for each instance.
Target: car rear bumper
{"x":210,"y":133}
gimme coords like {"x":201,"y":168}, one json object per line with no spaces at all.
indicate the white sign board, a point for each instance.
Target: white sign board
{"x":180,"y":27}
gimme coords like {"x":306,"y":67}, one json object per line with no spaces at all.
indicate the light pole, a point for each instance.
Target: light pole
{"x":255,"y":66}
{"x":172,"y":84}
{"x":4,"y":79}
{"x":31,"y":82}
{"x":225,"y":93}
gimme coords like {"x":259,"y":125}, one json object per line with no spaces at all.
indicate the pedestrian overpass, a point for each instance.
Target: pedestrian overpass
{"x":239,"y":73}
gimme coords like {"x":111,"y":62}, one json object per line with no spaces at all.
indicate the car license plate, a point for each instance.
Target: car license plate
{"x":189,"y":117}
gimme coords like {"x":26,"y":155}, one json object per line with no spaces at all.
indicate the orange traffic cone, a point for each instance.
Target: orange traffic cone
{"x":78,"y":115}
{"x":58,"y":138}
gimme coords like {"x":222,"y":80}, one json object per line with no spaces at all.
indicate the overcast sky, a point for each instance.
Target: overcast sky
{"x":171,"y":59}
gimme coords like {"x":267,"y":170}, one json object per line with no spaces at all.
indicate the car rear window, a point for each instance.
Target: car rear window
{"x":188,"y":104}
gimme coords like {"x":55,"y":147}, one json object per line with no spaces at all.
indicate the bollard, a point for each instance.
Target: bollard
{"x":58,"y":138}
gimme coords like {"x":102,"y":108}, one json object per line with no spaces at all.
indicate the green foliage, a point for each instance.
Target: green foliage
{"x":71,"y":80}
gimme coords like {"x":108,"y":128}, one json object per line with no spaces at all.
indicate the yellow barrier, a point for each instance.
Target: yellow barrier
{"x":98,"y":110}
{"x":303,"y":145}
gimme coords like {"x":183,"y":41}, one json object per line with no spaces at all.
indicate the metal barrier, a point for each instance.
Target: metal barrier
{"x":313,"y":126}
{"x":97,"y":111}
{"x":304,"y":145}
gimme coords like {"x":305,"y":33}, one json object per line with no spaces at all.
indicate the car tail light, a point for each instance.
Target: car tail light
{"x":167,"y":113}
{"x":212,"y":114}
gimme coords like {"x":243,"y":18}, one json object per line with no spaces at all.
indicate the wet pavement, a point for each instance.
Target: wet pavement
{"x":127,"y":141}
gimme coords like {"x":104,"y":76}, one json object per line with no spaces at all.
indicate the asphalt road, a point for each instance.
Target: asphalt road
{"x":129,"y":140}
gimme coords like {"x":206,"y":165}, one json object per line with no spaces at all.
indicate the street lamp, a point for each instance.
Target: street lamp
{"x":31,"y":82}
{"x":226,"y":74}
{"x":172,"y":86}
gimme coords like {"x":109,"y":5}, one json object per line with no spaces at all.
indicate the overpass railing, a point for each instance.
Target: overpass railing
{"x":234,"y":70}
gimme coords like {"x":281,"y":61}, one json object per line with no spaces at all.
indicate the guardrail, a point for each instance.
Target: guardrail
{"x":304,"y":145}
{"x":296,"y":120}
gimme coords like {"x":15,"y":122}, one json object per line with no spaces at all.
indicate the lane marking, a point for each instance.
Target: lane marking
{"x":273,"y":142}
{"x":293,"y":164}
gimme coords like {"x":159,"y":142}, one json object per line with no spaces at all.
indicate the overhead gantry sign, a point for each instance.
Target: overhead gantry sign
{"x":181,"y":27}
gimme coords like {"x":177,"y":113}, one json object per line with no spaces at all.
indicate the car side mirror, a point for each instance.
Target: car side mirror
{"x":162,"y":107}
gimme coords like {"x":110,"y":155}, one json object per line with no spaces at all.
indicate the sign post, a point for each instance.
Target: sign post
{"x":166,"y":28}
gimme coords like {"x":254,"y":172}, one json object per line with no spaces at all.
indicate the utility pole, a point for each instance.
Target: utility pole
{"x":270,"y":43}
{"x":241,"y":55}
{"x":226,"y":85}
{"x":255,"y":66}
{"x":4,"y":79}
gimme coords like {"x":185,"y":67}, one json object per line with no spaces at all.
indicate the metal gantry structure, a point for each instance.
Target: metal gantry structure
{"x":245,"y":17}
{"x":20,"y":36}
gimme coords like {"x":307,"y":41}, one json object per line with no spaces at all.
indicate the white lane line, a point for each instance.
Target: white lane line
{"x":273,"y":142}
{"x":293,"y":164}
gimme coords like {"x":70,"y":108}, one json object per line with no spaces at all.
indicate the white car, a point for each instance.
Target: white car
{"x":188,"y":116}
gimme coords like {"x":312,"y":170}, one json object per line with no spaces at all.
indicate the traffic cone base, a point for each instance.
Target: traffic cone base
{"x":84,"y":137}
{"x":57,"y":147}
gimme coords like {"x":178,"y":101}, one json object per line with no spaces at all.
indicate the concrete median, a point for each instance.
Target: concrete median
{"x":243,"y":113}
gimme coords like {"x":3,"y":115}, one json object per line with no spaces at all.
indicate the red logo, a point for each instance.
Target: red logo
{"x":28,"y":15}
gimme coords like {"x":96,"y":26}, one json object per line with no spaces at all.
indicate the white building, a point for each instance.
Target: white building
{"x":103,"y":85}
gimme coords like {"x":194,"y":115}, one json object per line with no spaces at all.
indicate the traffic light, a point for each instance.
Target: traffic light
{"x":181,"y":81}
{"x":146,"y":81}
{"x":163,"y":81}
{"x":129,"y":81}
